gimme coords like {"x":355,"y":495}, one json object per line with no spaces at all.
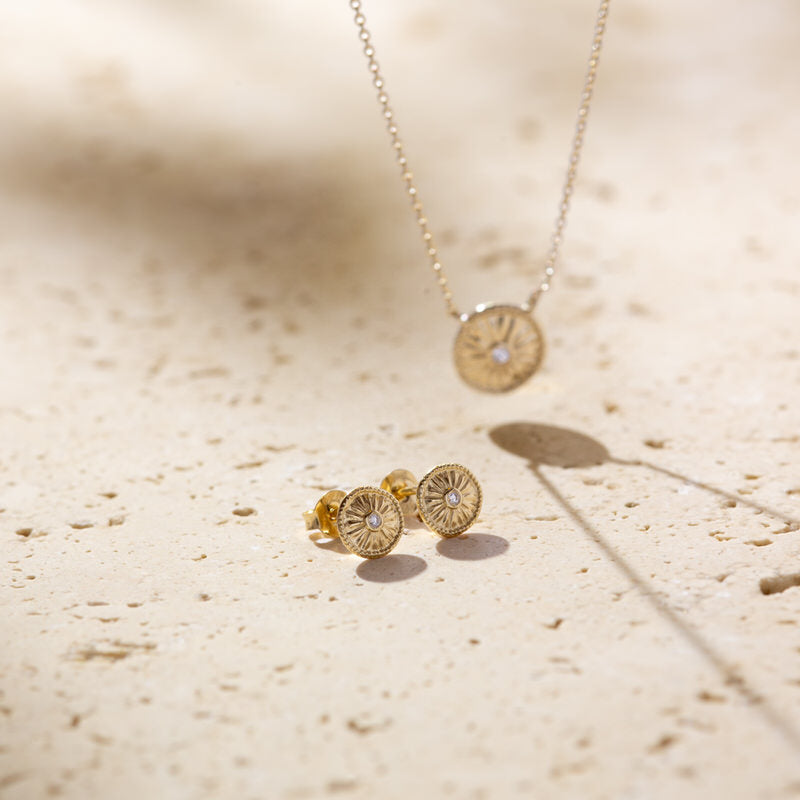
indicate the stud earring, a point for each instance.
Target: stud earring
{"x":448,"y":499}
{"x":368,"y":521}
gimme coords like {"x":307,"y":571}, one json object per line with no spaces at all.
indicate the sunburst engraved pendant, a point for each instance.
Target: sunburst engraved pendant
{"x":370,"y":522}
{"x":498,"y":348}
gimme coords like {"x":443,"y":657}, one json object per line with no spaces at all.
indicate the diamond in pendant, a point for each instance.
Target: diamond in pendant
{"x":500,"y":354}
{"x":374,"y":520}
{"x":453,"y":498}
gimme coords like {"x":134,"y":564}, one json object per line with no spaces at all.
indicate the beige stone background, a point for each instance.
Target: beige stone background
{"x":213,"y":300}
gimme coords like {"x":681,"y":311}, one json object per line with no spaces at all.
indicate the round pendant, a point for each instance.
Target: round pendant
{"x":370,"y":522}
{"x":498,"y":348}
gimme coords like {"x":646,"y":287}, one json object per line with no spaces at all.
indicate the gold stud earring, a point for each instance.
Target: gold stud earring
{"x":368,"y":521}
{"x":448,"y":499}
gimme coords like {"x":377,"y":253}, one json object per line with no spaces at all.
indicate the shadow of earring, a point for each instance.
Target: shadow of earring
{"x":472,"y":546}
{"x":391,"y":569}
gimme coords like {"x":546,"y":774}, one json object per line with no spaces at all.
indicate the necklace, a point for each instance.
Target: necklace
{"x":498,"y":347}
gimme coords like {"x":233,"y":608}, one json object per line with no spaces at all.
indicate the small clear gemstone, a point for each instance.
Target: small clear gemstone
{"x":500,"y":354}
{"x":453,"y":498}
{"x":374,"y":520}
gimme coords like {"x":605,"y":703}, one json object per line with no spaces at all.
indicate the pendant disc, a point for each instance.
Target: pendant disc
{"x":498,"y":348}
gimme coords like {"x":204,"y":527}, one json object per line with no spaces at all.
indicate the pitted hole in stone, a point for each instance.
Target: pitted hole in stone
{"x":453,"y":498}
{"x":373,"y":520}
{"x":501,"y":355}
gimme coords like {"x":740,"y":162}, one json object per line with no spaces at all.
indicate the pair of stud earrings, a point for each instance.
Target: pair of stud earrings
{"x":369,"y":520}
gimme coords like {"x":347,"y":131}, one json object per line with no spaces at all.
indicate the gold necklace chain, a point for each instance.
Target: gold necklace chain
{"x":379,"y":83}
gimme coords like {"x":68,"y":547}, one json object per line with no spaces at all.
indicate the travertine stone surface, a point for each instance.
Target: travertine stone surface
{"x":213,"y":307}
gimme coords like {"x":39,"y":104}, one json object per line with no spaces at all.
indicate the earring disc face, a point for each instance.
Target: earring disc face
{"x":370,"y":522}
{"x":449,"y":498}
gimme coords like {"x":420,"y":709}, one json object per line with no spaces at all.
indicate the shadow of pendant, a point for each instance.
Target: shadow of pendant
{"x":549,"y":445}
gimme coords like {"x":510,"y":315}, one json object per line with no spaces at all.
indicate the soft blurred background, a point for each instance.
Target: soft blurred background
{"x":214,"y":305}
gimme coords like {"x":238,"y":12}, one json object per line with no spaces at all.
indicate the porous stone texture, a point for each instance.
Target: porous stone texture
{"x":214,"y":306}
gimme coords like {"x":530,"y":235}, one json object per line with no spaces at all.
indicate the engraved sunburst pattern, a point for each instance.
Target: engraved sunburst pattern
{"x":370,"y":522}
{"x":498,"y":348}
{"x":449,"y":499}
